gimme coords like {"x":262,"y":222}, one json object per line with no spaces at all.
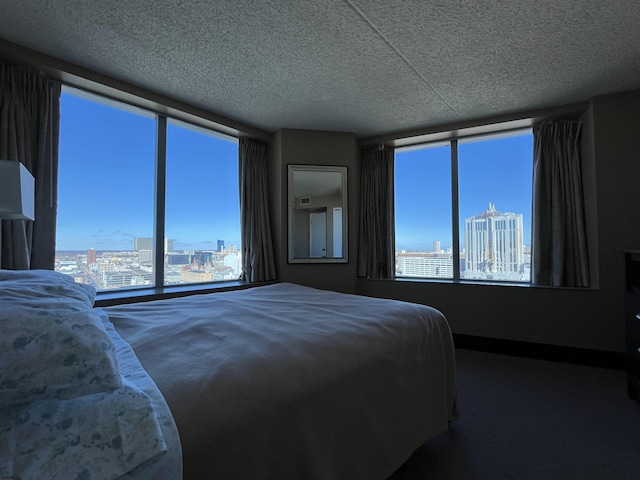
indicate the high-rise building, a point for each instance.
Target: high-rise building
{"x":142,"y":243}
{"x":220,"y":246}
{"x":494,"y":245}
{"x":146,"y":243}
{"x":436,"y":246}
{"x":92,"y":256}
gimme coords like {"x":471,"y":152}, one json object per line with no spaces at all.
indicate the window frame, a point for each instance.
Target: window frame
{"x":453,"y":139}
{"x":162,"y":118}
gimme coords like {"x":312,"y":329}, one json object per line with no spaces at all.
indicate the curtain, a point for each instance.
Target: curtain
{"x":377,"y":231}
{"x":257,"y":248}
{"x":29,"y":126}
{"x":559,"y":250}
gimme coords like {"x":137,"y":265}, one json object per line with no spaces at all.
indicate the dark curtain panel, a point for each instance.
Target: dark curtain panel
{"x":560,"y":256}
{"x":29,"y":127}
{"x":377,"y":230}
{"x":257,"y":248}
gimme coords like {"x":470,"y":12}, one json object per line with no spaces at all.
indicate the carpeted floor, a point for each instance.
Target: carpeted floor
{"x":533,"y":419}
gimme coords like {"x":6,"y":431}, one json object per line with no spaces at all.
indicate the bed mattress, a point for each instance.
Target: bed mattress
{"x":289,"y":382}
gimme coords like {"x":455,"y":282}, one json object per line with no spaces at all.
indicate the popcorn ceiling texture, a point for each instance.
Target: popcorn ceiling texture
{"x":364,"y":66}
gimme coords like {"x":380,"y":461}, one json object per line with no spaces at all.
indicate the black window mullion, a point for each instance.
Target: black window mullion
{"x":455,"y":222}
{"x":160,"y":200}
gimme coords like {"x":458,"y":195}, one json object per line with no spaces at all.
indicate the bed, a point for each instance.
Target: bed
{"x":289,"y":382}
{"x":284,"y":381}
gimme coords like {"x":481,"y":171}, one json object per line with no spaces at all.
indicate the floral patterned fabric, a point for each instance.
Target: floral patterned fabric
{"x":67,"y":411}
{"x":94,"y":437}
{"x":53,"y":345}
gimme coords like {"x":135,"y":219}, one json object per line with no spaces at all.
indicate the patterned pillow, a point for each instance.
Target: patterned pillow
{"x":53,"y":345}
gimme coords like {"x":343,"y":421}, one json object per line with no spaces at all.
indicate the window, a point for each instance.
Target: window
{"x":202,"y":206}
{"x":107,"y":197}
{"x":480,"y":185}
{"x":424,"y":233}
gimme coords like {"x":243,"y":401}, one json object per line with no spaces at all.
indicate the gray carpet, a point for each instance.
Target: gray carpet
{"x":533,"y":419}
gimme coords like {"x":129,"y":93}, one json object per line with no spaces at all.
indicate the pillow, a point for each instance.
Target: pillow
{"x":24,"y":284}
{"x":53,"y":344}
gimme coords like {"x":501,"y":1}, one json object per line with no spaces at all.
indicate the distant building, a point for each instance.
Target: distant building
{"x":196,"y":276}
{"x":202,"y":258}
{"x":146,"y":243}
{"x":145,"y":255}
{"x":178,"y":258}
{"x":125,"y":279}
{"x":425,"y":264}
{"x":142,"y":243}
{"x":220,"y":246}
{"x":234,"y":262}
{"x":494,"y":245}
{"x":92,"y":256}
{"x":106,"y":266}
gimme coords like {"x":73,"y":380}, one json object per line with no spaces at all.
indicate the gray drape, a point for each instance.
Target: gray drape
{"x":257,"y":247}
{"x":377,"y":230}
{"x":559,"y":250}
{"x":29,"y":127}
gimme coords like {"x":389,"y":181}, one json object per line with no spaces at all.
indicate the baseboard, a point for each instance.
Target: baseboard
{"x":554,"y":353}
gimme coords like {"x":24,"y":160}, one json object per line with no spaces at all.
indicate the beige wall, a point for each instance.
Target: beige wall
{"x":305,"y":147}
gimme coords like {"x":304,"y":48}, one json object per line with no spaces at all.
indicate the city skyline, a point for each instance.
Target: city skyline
{"x":495,"y":252}
{"x":436,"y":245}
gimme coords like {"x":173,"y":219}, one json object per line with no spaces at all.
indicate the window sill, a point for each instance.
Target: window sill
{"x":121,"y":297}
{"x":487,"y":283}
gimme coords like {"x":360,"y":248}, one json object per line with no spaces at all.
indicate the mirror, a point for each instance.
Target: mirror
{"x":317,"y":214}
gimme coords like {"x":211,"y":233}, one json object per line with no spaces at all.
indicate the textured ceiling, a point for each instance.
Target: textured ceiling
{"x":365,"y":66}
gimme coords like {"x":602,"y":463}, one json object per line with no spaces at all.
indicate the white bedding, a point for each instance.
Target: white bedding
{"x":75,"y":401}
{"x":289,"y":382}
{"x":168,"y":464}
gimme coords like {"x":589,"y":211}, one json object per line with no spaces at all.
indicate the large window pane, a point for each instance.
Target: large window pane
{"x":495,"y":182}
{"x":105,"y":191}
{"x":202,"y":206}
{"x":423,"y":212}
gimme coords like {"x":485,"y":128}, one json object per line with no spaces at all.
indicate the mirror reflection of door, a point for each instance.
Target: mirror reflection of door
{"x":317,"y":214}
{"x":337,"y":231}
{"x":318,"y":234}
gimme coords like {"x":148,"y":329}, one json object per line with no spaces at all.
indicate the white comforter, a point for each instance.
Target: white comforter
{"x":289,"y":382}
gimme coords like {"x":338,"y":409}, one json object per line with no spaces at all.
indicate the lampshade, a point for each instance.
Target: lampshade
{"x":17,"y":191}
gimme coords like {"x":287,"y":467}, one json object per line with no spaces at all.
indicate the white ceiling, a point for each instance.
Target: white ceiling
{"x":370,"y":67}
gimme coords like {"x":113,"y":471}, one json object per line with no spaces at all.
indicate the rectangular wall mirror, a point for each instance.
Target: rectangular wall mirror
{"x":317,"y":214}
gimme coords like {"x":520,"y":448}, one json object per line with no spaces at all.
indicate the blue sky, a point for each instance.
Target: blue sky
{"x":107,"y":168}
{"x":497,"y":171}
{"x":106,"y":181}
